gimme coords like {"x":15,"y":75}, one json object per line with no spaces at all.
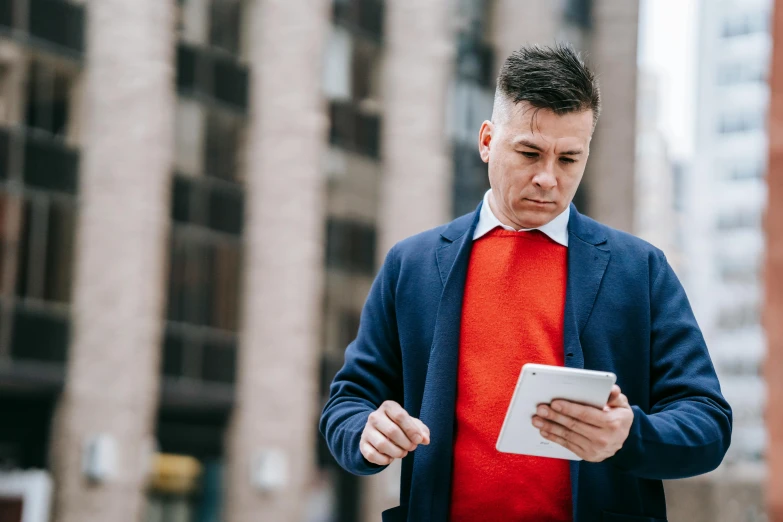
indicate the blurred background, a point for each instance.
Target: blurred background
{"x":195,"y":196}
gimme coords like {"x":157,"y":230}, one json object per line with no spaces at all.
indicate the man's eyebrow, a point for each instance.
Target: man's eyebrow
{"x":527,"y":143}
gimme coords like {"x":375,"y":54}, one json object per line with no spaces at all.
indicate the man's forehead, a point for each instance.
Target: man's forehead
{"x":526,"y":119}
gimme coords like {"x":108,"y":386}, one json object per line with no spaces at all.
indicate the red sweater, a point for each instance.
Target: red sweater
{"x":512,"y":314}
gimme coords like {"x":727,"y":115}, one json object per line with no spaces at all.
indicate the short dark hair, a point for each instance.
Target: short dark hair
{"x":553,"y":78}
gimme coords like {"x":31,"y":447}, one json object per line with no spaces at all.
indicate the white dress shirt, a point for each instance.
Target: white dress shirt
{"x":557,"y":229}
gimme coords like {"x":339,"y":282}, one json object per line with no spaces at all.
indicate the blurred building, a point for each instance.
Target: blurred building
{"x":659,"y":190}
{"x":194,"y":198}
{"x":729,"y":195}
{"x":724,"y":245}
{"x":774,"y":273}
{"x":773,"y":310}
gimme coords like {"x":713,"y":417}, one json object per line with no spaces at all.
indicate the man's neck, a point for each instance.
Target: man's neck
{"x":493,"y":206}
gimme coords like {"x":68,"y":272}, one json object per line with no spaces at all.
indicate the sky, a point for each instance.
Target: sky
{"x":667,"y":45}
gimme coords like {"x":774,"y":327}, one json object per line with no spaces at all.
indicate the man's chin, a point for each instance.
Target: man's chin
{"x":534,"y":218}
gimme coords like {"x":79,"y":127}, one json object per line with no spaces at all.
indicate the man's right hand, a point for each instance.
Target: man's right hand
{"x":390,"y":433}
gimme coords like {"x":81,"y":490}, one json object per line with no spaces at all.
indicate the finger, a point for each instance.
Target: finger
{"x":618,"y":402}
{"x":569,"y":423}
{"x":566,"y":444}
{"x":586,"y":414}
{"x":384,"y":445}
{"x":392,"y":432}
{"x":424,"y":430}
{"x":401,"y":418}
{"x":562,"y":432}
{"x":373,"y":455}
{"x":614,"y":393}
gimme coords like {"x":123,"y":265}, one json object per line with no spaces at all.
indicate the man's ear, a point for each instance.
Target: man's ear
{"x":486,"y":133}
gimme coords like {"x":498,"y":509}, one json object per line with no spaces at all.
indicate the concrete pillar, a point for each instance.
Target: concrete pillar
{"x":773,"y":369}
{"x":609,"y":176}
{"x":419,"y":54}
{"x":277,"y":373}
{"x":113,"y":361}
{"x":515,"y":24}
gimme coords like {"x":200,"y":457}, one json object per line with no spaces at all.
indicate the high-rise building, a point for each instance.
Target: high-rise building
{"x":195,"y":196}
{"x":723,"y":244}
{"x":727,"y":205}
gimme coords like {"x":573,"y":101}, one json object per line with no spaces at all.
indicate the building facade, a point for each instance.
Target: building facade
{"x":195,"y":196}
{"x":723,"y":243}
{"x":773,"y":309}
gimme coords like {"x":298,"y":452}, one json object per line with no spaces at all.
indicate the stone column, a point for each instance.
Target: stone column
{"x":113,"y":372}
{"x":773,"y":369}
{"x":517,"y":23}
{"x":419,"y":54}
{"x":612,"y":55}
{"x":277,"y":371}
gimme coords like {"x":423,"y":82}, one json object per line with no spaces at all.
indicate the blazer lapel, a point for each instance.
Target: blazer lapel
{"x":587,"y":263}
{"x":431,"y":478}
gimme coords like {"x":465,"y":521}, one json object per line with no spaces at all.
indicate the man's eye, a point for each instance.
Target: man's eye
{"x":530,"y":154}
{"x":567,"y":160}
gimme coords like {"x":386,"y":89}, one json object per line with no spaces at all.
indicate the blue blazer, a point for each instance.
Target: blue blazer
{"x":626,"y":312}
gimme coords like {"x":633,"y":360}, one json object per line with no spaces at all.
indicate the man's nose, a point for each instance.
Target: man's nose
{"x":545,"y":180}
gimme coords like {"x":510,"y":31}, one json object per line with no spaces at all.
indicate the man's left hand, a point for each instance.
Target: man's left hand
{"x":592,"y":434}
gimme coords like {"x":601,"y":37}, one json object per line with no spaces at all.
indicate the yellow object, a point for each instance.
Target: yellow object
{"x":175,"y":473}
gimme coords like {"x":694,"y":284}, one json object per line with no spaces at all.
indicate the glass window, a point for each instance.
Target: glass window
{"x":225,"y":27}
{"x":39,"y":335}
{"x":59,"y":251}
{"x":224,"y":135}
{"x":350,"y":246}
{"x":48,"y":96}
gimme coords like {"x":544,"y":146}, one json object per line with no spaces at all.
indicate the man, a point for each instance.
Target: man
{"x":456,"y":311}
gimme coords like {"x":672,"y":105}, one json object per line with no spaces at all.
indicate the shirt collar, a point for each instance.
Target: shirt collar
{"x":557,"y":229}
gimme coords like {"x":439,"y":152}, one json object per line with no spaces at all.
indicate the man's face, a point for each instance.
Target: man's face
{"x":536,"y":161}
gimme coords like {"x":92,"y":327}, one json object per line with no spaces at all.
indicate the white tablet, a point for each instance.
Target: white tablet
{"x":541,"y":384}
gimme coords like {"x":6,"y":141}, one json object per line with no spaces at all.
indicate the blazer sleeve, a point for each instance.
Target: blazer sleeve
{"x":688,"y":427}
{"x":371,"y":374}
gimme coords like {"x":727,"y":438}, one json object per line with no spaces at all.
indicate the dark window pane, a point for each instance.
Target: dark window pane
{"x":25,"y":245}
{"x":173,"y":352}
{"x":48,"y":98}
{"x":352,"y":130}
{"x":225,"y":287}
{"x":225,"y":29}
{"x":59,"y":252}
{"x":364,"y":17}
{"x":349,"y":327}
{"x":177,"y":298}
{"x":181,"y":200}
{"x":8,"y":209}
{"x":5,"y":151}
{"x":226,"y":210}
{"x":39,"y":336}
{"x":471,"y":180}
{"x":350,"y":246}
{"x":219,"y":362}
{"x":50,"y":165}
{"x":186,"y":68}
{"x":475,"y":60}
{"x":368,"y":135}
{"x":230,"y":82}
{"x":203,"y":258}
{"x":58,"y":22}
{"x":579,"y":12}
{"x":222,"y":146}
{"x":7,"y":13}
